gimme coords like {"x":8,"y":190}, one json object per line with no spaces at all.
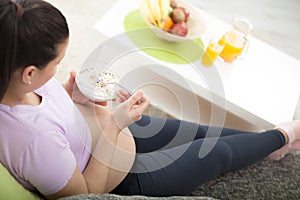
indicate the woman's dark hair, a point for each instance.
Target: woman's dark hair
{"x":30,"y":31}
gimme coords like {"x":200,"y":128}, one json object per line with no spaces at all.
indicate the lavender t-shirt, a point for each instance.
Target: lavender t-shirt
{"x":41,"y":145}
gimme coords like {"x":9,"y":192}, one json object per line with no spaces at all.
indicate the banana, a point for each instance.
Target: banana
{"x":155,"y":10}
{"x":164,"y":8}
{"x":146,"y":12}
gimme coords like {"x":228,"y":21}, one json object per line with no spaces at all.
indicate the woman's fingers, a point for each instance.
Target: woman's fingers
{"x":131,"y":110}
{"x":135,"y":98}
{"x":138,"y":109}
{"x":74,"y":92}
{"x":102,"y":103}
{"x":123,"y":95}
{"x":72,"y":76}
{"x":137,"y":103}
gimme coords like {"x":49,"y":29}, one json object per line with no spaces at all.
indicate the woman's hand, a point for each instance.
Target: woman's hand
{"x":75,"y":94}
{"x":130,"y":110}
{"x":123,"y":95}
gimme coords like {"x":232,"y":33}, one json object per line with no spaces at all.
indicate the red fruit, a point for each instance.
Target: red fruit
{"x":186,"y":13}
{"x":179,"y":29}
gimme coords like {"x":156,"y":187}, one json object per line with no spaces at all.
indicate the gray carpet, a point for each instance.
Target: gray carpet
{"x":264,"y":180}
{"x":117,"y":197}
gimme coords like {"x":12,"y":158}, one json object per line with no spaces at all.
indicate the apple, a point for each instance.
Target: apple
{"x":186,"y":13}
{"x":179,"y":29}
{"x":178,"y":15}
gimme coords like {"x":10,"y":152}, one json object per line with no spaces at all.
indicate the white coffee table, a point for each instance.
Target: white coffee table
{"x":260,"y":90}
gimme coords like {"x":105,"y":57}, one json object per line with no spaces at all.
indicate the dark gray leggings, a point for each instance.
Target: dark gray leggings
{"x":169,"y":160}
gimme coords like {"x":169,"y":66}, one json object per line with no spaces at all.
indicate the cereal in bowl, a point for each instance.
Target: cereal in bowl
{"x":105,"y":83}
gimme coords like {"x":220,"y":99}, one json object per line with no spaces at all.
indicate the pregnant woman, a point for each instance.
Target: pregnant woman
{"x":59,"y":148}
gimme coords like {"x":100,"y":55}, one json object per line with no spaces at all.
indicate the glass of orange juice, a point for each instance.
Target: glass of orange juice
{"x":211,"y":53}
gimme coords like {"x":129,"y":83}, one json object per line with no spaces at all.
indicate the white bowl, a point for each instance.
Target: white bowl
{"x":89,"y":86}
{"x":195,"y":24}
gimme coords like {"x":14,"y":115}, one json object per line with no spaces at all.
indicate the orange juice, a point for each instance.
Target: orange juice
{"x":211,"y":53}
{"x":233,"y":46}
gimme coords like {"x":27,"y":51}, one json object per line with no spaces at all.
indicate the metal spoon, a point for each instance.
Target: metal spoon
{"x":124,"y":88}
{"x":115,"y":83}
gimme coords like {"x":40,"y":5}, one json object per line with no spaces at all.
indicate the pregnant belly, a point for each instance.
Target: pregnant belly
{"x":122,"y":161}
{"x":124,"y":154}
